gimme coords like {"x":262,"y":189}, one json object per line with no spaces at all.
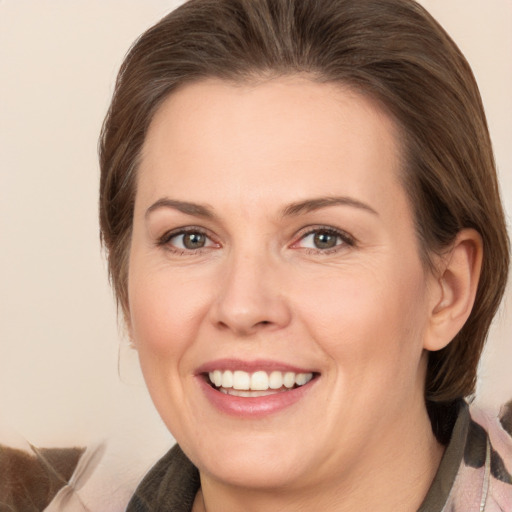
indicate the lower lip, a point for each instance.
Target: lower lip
{"x":254,"y":407}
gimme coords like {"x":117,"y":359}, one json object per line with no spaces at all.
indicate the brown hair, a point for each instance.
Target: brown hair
{"x":392,"y":50}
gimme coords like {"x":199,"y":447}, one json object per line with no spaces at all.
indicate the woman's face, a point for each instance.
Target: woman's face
{"x":273,"y":245}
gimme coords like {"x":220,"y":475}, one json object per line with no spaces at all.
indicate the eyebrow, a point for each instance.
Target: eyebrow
{"x":310,"y":205}
{"x":194,"y":209}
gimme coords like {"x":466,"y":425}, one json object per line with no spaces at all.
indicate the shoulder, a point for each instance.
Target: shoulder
{"x":484,"y":480}
{"x":170,"y":485}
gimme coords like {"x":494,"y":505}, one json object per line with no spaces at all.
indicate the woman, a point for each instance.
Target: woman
{"x":306,"y":238}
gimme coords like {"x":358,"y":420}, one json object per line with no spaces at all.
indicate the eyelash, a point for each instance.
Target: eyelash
{"x":165,"y":239}
{"x":345,"y":240}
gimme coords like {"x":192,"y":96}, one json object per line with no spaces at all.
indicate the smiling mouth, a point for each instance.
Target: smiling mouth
{"x":259,"y":383}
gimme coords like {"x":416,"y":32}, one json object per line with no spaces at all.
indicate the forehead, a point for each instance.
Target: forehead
{"x":289,"y":134}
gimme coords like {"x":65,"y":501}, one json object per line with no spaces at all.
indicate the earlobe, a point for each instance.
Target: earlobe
{"x":456,"y":286}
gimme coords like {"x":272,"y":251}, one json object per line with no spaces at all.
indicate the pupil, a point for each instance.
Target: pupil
{"x":194,"y":240}
{"x":324,"y":240}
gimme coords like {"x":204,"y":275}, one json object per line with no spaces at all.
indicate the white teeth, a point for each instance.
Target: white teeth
{"x":236,"y":392}
{"x":289,"y":380}
{"x":257,"y":381}
{"x":227,"y":379}
{"x":302,"y":378}
{"x":275,"y":380}
{"x":241,"y":380}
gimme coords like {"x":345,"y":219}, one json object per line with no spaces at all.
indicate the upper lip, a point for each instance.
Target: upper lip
{"x":250,"y":366}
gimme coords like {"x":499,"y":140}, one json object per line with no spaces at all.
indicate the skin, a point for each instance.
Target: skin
{"x":360,"y":314}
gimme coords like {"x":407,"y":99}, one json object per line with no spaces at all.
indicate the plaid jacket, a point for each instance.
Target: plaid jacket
{"x":475,"y":474}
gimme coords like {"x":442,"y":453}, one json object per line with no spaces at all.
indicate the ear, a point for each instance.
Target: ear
{"x":454,"y":289}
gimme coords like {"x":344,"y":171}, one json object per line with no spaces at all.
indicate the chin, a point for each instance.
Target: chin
{"x":257,"y":461}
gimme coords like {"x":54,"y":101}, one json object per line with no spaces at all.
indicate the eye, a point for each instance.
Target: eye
{"x":321,"y":240}
{"x":324,"y":239}
{"x":190,"y":240}
{"x":187,"y":240}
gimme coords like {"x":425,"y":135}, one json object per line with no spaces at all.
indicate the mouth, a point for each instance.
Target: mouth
{"x":255,"y":389}
{"x":256,"y":384}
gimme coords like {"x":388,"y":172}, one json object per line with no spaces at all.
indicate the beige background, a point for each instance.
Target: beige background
{"x":65,"y":375}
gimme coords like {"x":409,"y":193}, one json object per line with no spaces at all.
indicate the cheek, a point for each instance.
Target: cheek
{"x":164,"y":317}
{"x":164,"y":309}
{"x":369,"y":322}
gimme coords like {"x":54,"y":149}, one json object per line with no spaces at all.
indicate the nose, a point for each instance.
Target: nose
{"x":251,"y":297}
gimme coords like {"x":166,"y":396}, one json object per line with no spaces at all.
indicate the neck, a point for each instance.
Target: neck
{"x":392,"y":472}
